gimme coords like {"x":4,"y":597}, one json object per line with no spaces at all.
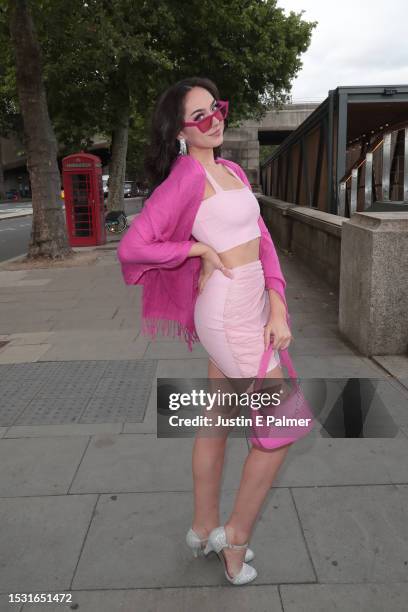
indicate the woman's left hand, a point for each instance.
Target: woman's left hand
{"x":279,"y":329}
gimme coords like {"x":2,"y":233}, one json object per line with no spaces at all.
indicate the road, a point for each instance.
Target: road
{"x":15,"y":231}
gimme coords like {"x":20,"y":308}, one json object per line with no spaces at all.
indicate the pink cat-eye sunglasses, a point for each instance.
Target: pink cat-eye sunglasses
{"x":204,"y":124}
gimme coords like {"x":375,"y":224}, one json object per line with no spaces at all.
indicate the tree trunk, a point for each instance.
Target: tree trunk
{"x":48,"y":235}
{"x":120,"y":134}
{"x":117,"y":166}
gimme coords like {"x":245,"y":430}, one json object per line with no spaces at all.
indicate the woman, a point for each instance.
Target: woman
{"x":204,"y":256}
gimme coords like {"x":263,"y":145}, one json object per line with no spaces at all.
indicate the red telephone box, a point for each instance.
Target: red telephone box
{"x":83,"y":195}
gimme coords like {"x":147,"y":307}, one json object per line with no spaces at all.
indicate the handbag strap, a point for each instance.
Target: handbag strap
{"x":264,"y":361}
{"x":285,"y":358}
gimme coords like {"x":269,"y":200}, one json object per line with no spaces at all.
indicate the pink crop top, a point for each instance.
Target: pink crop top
{"x":228,"y":218}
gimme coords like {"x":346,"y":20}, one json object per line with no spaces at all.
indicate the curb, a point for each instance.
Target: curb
{"x":14,"y":215}
{"x":4,"y":261}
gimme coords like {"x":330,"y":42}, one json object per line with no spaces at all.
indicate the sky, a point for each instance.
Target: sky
{"x":356,"y":42}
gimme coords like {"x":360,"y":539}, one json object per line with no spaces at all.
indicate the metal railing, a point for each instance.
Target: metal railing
{"x":380,"y":174}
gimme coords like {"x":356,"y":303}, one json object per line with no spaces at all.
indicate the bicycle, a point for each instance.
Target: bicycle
{"x":116,"y":221}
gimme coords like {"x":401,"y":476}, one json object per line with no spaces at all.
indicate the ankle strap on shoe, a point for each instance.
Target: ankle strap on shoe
{"x":238,"y":545}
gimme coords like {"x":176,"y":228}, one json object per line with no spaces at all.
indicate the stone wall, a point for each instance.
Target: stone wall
{"x":364,"y":259}
{"x":373,"y":301}
{"x":312,"y":235}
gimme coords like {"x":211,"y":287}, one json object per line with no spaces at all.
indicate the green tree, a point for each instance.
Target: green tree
{"x":119,"y":56}
{"x":105,"y":63}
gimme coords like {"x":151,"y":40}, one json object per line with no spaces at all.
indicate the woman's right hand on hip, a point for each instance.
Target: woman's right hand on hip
{"x":211,"y":261}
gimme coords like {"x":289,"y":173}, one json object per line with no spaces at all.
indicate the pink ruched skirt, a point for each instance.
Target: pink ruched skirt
{"x":230,"y":315}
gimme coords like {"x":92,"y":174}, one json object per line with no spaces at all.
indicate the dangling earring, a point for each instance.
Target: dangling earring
{"x":183,"y":147}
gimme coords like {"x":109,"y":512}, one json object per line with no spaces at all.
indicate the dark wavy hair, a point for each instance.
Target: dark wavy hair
{"x":167,"y":121}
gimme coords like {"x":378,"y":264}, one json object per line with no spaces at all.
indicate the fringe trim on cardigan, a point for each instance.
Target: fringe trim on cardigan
{"x":166,"y":327}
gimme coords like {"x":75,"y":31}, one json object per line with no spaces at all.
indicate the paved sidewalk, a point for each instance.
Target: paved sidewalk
{"x":92,"y":503}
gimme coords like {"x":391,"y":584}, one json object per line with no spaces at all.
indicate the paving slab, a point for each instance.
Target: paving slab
{"x":115,"y":463}
{"x":174,"y":349}
{"x":182,"y":368}
{"x":149,"y":423}
{"x":6,"y":298}
{"x":130,"y":294}
{"x":39,"y":466}
{"x":85,"y":313}
{"x":356,"y":534}
{"x":127,"y":539}
{"x":341,"y":597}
{"x":358,"y":407}
{"x":23,"y":353}
{"x":43,"y":540}
{"x":50,"y":298}
{"x":97,"y":344}
{"x":200,"y":599}
{"x":6,"y":606}
{"x":9,"y":278}
{"x":314,"y":330}
{"x":71,"y":429}
{"x":25,"y":325}
{"x":397,"y":365}
{"x":337,"y":366}
{"x":392,"y":396}
{"x":27,"y":311}
{"x":317,"y":305}
{"x":315,"y":462}
{"x":325,"y":317}
{"x":319,"y":347}
{"x":49,"y":286}
{"x":86,"y":324}
{"x":39,"y":282}
{"x":29,"y":338}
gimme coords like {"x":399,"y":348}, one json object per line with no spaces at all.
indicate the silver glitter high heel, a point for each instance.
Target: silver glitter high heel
{"x":197,"y":545}
{"x":217,"y":540}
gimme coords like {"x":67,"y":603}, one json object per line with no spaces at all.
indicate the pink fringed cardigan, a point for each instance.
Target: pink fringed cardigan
{"x":154,"y":253}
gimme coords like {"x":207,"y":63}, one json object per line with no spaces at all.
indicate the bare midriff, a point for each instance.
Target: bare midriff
{"x":241,"y":254}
